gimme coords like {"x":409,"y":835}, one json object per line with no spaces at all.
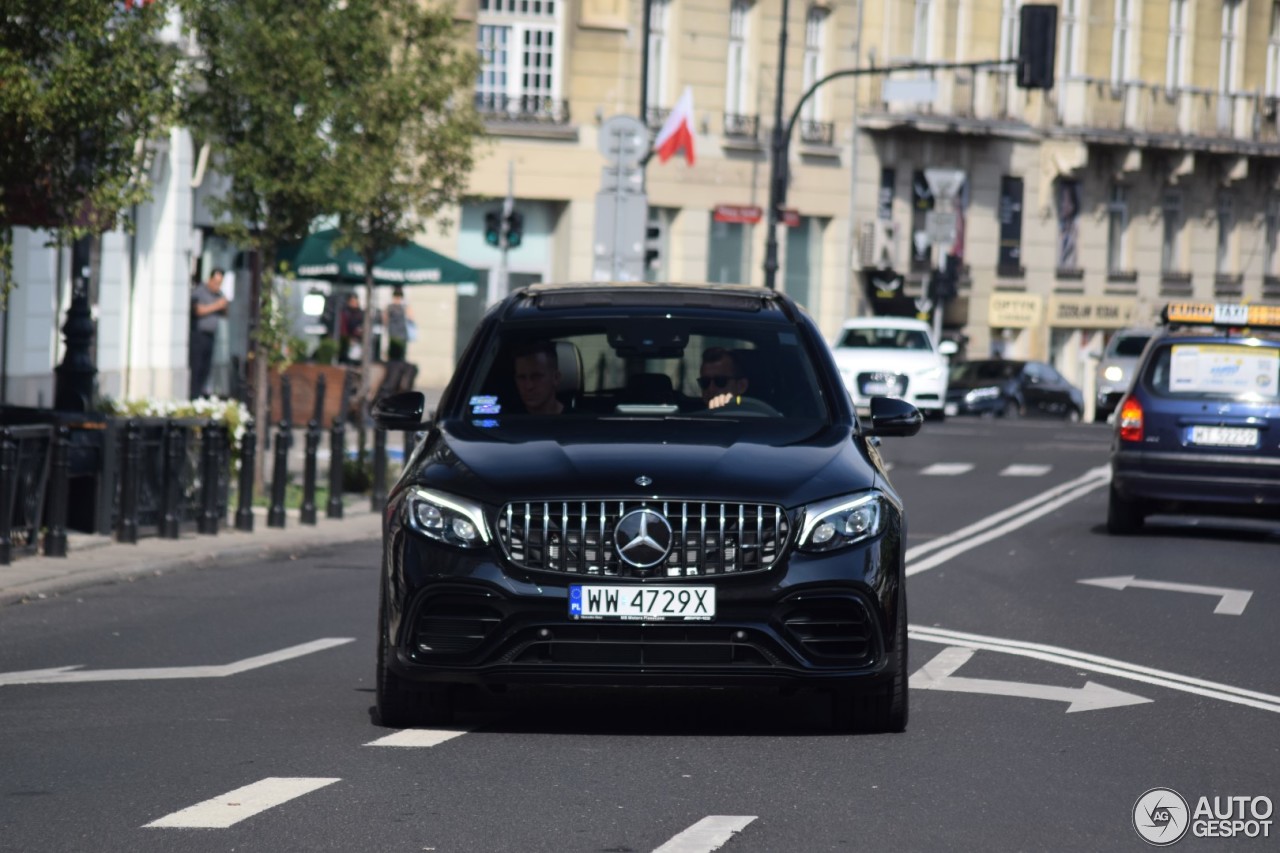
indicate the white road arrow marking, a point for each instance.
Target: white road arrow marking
{"x":1232,"y":602}
{"x":706,"y":835}
{"x":68,"y":674}
{"x":937,"y":675}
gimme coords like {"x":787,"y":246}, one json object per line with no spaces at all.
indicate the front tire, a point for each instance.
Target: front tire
{"x":883,"y":708}
{"x":403,"y":704}
{"x":1011,"y":411}
{"x":1124,"y":517}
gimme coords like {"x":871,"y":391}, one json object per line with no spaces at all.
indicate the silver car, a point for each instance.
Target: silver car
{"x":1115,"y":370}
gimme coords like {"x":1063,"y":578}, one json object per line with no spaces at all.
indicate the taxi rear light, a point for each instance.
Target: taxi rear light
{"x":1130,"y":420}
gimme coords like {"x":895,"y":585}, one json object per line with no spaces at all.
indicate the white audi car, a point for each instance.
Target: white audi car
{"x":892,"y":357}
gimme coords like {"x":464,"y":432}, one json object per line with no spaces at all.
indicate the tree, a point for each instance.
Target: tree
{"x":404,"y":133}
{"x":264,"y":95}
{"x":84,"y":85}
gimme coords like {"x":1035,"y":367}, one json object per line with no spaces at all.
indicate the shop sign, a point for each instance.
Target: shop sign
{"x":740,"y":214}
{"x":1014,"y":310}
{"x":1090,"y":312}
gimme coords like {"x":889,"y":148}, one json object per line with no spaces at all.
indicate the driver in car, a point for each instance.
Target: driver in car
{"x":721,"y":378}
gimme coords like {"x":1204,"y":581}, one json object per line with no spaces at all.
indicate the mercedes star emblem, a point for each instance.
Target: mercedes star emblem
{"x":643,"y":538}
{"x":643,"y":481}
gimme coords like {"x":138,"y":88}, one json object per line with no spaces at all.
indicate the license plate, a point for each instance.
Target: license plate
{"x":643,"y":603}
{"x":876,"y":389}
{"x":951,"y":409}
{"x":1220,"y":436}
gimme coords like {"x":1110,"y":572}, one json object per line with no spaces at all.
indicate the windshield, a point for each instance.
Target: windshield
{"x":985,"y":371}
{"x":646,"y":368}
{"x":1128,"y":346}
{"x":883,"y":338}
{"x":1216,"y":371}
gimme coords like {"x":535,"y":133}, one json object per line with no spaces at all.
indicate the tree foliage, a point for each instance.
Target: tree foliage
{"x":84,"y":85}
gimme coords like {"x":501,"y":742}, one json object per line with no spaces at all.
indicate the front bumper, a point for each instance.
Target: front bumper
{"x":813,"y":620}
{"x":958,"y":405}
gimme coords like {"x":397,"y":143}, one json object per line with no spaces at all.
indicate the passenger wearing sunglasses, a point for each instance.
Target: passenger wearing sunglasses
{"x":720,"y":378}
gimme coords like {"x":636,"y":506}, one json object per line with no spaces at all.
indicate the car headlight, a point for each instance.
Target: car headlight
{"x":1113,"y":374}
{"x":838,"y":523}
{"x":982,"y":394}
{"x":447,"y":519}
{"x":934,"y":372}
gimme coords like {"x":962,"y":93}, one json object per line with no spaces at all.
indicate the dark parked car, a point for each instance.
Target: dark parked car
{"x":1012,"y":389}
{"x":682,"y":519}
{"x":1199,"y":430}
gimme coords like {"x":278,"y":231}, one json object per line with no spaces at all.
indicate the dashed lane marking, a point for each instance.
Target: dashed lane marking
{"x":242,"y":803}
{"x":1026,"y":470}
{"x":706,"y":835}
{"x":946,"y":469}
{"x":418,"y":738}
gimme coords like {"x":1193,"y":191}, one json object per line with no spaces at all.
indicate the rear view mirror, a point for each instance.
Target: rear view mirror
{"x":948,"y":348}
{"x":401,"y":411}
{"x":891,"y":416}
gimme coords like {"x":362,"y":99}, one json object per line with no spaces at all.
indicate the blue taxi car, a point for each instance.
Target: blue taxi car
{"x":1199,"y":430}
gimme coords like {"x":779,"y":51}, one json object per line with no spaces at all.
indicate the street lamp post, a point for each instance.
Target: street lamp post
{"x":778,"y":169}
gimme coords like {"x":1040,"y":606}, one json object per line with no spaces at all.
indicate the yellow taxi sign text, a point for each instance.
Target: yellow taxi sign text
{"x":1222,"y":314}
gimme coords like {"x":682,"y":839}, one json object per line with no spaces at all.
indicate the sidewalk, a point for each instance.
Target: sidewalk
{"x":93,"y":560}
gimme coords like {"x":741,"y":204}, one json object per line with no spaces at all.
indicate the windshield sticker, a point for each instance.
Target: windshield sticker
{"x":485,"y":404}
{"x":1209,"y":368}
{"x":486,"y":423}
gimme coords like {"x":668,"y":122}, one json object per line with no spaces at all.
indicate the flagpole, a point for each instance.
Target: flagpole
{"x":778,"y":171}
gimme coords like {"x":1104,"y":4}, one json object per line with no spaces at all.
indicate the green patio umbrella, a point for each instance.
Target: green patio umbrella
{"x":408,"y":264}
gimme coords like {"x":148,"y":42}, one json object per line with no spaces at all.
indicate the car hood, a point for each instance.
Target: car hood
{"x":858,"y":359}
{"x":780,"y":466}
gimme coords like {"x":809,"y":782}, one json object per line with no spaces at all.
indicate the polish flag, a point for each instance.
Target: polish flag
{"x":677,"y":131}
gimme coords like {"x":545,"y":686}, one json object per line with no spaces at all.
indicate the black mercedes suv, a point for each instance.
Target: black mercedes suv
{"x":644,"y":484}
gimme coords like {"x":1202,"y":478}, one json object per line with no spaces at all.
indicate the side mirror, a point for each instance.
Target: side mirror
{"x":401,"y":411}
{"x":891,"y":416}
{"x":948,"y":348}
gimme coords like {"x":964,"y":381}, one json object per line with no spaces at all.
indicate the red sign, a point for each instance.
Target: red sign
{"x":790,"y":217}
{"x":747,"y":214}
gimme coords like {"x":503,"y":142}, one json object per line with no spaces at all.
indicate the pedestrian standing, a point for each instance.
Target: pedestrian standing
{"x":208,"y":305}
{"x":351,"y":330}
{"x":396,"y":318}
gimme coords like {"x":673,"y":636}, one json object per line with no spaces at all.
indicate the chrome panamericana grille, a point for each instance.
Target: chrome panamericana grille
{"x":708,"y":538}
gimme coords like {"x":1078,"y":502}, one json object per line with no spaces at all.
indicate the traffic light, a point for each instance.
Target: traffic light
{"x":515,"y":228}
{"x":652,"y":250}
{"x":1039,"y":23}
{"x":943,"y":281}
{"x":493,"y":227}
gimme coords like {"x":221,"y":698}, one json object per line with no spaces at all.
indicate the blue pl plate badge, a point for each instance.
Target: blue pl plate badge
{"x":484,"y":404}
{"x":575,"y":600}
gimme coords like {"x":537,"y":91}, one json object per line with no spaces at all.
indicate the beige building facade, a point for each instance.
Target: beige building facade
{"x":1151,"y":172}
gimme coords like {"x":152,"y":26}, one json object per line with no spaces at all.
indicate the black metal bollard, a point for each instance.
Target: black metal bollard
{"x":280,"y":473}
{"x":171,"y":515}
{"x":127,"y":525}
{"x":337,"y":450}
{"x":307,"y":513}
{"x":8,"y":473}
{"x":248,"y":455}
{"x":378,"y":493}
{"x":210,"y":459}
{"x":55,"y":538}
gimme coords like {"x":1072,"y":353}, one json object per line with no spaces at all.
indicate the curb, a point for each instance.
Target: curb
{"x":43,"y":577}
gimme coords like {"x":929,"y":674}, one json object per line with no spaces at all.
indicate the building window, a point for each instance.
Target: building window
{"x":1171,"y":244}
{"x":1121,"y":41}
{"x":815,"y":36}
{"x":803,"y":273}
{"x":735,"y":86}
{"x":1009,"y":28}
{"x":1070,"y":37}
{"x":520,"y":48}
{"x":1226,"y":226}
{"x":655,"y":85}
{"x":1117,"y":229}
{"x":725,"y":248}
{"x":922,"y":35}
{"x":1228,"y":57}
{"x":1175,"y":75}
{"x":1272,"y":83}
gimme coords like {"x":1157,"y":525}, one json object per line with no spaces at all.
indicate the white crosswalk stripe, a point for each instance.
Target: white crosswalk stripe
{"x":242,"y":803}
{"x":418,"y":738}
{"x":946,"y":469}
{"x":706,"y":835}
{"x":1026,"y":470}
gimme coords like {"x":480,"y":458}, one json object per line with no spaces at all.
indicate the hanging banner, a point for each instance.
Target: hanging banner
{"x":1010,"y":257}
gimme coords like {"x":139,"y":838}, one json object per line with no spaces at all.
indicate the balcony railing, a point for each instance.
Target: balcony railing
{"x":522,"y":109}
{"x":817,"y":132}
{"x":740,"y":126}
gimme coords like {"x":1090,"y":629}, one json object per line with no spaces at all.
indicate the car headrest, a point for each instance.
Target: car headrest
{"x":569,"y":363}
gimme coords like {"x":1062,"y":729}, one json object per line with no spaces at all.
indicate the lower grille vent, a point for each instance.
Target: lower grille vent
{"x":453,"y":624}
{"x":832,"y":628}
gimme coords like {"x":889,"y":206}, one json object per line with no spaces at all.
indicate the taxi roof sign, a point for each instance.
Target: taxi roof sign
{"x":1222,"y":314}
